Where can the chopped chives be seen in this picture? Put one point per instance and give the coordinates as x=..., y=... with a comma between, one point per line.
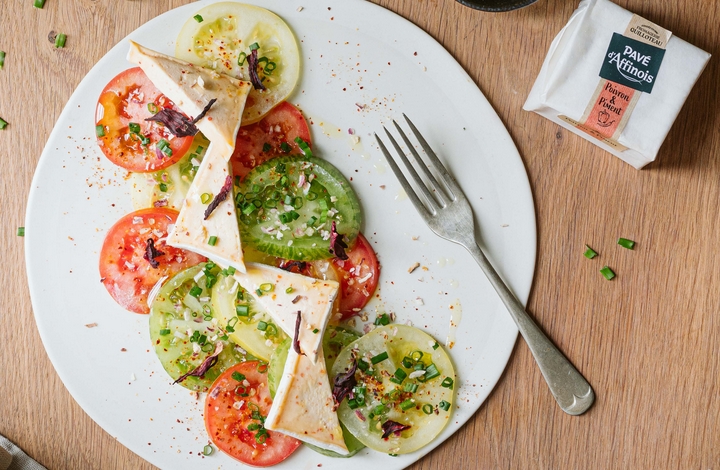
x=316, y=331
x=39, y=3
x=238, y=376
x=379, y=358
x=625, y=243
x=208, y=450
x=289, y=290
x=431, y=372
x=2, y=59
x=254, y=46
x=3, y=123
x=21, y=231
x=589, y=252
x=242, y=310
x=198, y=18
x=241, y=58
x=400, y=374
x=436, y=345
x=266, y=147
x=153, y=108
x=267, y=287
x=410, y=387
x=205, y=198
x=407, y=404
x=427, y=409
x=447, y=383
x=285, y=147
x=607, y=273
x=304, y=147
x=195, y=291
x=407, y=362
x=262, y=367
x=60, y=40
x=353, y=404
x=134, y=127
x=271, y=330
x=163, y=187
x=262, y=326
x=383, y=320
x=100, y=130
x=417, y=355
x=164, y=331
x=362, y=365
x=230, y=271
x=443, y=405
x=212, y=241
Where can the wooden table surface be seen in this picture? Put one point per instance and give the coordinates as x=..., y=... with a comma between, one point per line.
x=647, y=341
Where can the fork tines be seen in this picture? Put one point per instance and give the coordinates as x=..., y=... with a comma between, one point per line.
x=434, y=194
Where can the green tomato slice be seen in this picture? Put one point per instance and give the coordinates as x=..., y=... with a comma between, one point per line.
x=287, y=205
x=426, y=410
x=168, y=187
x=182, y=331
x=245, y=321
x=334, y=340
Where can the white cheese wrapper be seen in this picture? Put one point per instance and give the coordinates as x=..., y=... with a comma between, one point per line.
x=570, y=75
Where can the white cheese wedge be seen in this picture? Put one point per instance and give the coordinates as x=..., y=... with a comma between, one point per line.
x=193, y=232
x=191, y=88
x=303, y=405
x=284, y=294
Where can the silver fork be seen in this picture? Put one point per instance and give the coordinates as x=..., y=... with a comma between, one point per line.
x=447, y=212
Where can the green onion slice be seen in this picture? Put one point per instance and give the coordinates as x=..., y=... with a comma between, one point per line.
x=607, y=273
x=60, y=40
x=208, y=450
x=625, y=243
x=590, y=253
x=21, y=231
x=380, y=357
x=198, y=18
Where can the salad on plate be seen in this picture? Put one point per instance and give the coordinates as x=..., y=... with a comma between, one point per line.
x=245, y=249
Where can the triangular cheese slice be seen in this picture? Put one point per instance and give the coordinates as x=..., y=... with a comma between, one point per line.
x=283, y=294
x=195, y=233
x=303, y=405
x=191, y=88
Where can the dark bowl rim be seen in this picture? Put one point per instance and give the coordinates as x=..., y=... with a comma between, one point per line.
x=513, y=5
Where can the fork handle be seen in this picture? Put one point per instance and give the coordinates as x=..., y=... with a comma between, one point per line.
x=570, y=389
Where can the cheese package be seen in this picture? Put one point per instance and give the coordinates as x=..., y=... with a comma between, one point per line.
x=617, y=80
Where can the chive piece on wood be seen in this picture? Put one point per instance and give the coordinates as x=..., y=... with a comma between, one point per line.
x=607, y=272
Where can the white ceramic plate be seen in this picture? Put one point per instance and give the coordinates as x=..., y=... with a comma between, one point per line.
x=363, y=66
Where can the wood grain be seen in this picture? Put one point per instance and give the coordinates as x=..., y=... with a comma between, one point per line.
x=647, y=340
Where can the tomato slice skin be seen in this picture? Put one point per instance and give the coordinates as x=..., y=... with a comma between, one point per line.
x=356, y=288
x=283, y=124
x=227, y=425
x=125, y=99
x=124, y=272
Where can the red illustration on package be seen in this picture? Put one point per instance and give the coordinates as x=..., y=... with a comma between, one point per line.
x=608, y=110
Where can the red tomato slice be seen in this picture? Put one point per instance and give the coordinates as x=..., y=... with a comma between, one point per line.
x=263, y=140
x=358, y=276
x=228, y=415
x=125, y=100
x=124, y=271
